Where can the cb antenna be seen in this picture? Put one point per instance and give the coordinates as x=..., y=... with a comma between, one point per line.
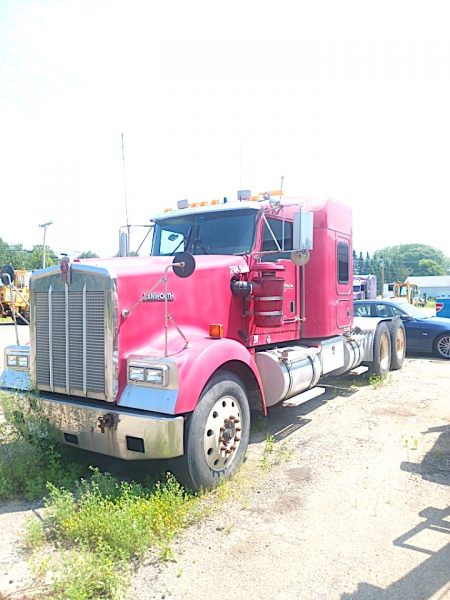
x=281, y=185
x=125, y=193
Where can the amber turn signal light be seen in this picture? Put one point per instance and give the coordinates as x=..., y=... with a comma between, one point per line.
x=216, y=331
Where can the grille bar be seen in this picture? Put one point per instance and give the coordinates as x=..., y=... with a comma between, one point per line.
x=84, y=342
x=50, y=335
x=66, y=298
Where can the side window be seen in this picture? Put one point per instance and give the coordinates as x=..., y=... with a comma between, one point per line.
x=361, y=310
x=171, y=242
x=282, y=230
x=343, y=262
x=383, y=311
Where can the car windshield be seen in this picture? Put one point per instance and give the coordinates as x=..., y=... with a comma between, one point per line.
x=416, y=311
x=223, y=232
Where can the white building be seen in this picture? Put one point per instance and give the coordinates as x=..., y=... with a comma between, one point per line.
x=433, y=286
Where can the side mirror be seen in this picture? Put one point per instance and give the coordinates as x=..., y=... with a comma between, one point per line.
x=183, y=264
x=303, y=231
x=407, y=318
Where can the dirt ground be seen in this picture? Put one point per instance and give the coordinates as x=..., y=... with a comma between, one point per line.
x=355, y=505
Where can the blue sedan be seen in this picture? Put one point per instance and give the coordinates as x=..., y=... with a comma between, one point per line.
x=423, y=333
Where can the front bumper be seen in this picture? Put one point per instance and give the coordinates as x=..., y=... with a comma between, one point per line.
x=126, y=434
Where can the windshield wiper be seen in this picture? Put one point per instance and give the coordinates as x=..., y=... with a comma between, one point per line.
x=185, y=241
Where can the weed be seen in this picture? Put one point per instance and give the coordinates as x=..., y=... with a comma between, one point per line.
x=34, y=535
x=81, y=575
x=283, y=453
x=30, y=455
x=106, y=523
x=268, y=450
x=376, y=381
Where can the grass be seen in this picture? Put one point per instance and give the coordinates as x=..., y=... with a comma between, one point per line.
x=377, y=381
x=31, y=456
x=95, y=531
x=103, y=529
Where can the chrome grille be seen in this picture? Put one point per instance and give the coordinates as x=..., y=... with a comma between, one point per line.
x=70, y=341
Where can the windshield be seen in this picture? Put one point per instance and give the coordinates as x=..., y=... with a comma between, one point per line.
x=415, y=311
x=223, y=232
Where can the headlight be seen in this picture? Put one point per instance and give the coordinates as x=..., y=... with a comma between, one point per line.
x=136, y=373
x=156, y=376
x=149, y=374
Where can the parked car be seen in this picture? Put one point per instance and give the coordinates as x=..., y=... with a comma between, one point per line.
x=423, y=333
x=443, y=307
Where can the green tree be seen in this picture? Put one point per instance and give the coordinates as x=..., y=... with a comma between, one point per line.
x=355, y=264
x=404, y=260
x=35, y=258
x=88, y=254
x=430, y=267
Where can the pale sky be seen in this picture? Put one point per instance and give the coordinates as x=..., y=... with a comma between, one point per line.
x=346, y=99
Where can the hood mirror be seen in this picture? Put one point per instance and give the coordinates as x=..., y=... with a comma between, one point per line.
x=183, y=264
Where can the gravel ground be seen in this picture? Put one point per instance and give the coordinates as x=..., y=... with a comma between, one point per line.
x=355, y=506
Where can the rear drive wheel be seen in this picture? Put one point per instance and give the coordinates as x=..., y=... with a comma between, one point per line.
x=217, y=434
x=442, y=346
x=381, y=351
x=398, y=344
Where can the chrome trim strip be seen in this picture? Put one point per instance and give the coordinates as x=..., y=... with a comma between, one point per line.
x=50, y=336
x=111, y=342
x=66, y=308
x=84, y=342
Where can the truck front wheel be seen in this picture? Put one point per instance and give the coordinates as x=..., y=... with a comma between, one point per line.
x=217, y=434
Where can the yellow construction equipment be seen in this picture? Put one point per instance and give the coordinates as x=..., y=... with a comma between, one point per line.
x=405, y=291
x=15, y=295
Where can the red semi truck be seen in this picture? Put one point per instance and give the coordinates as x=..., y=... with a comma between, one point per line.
x=240, y=306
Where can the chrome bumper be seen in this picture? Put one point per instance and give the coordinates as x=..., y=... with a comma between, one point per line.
x=130, y=435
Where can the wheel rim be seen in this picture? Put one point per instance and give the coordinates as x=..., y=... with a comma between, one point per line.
x=222, y=433
x=400, y=344
x=443, y=346
x=384, y=352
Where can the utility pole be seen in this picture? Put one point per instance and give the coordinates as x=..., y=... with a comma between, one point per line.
x=44, y=225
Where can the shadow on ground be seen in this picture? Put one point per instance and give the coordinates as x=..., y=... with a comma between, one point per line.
x=284, y=420
x=428, y=578
x=435, y=465
x=433, y=574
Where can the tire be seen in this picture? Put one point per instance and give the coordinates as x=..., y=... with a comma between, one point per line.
x=216, y=435
x=381, y=351
x=442, y=346
x=398, y=344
